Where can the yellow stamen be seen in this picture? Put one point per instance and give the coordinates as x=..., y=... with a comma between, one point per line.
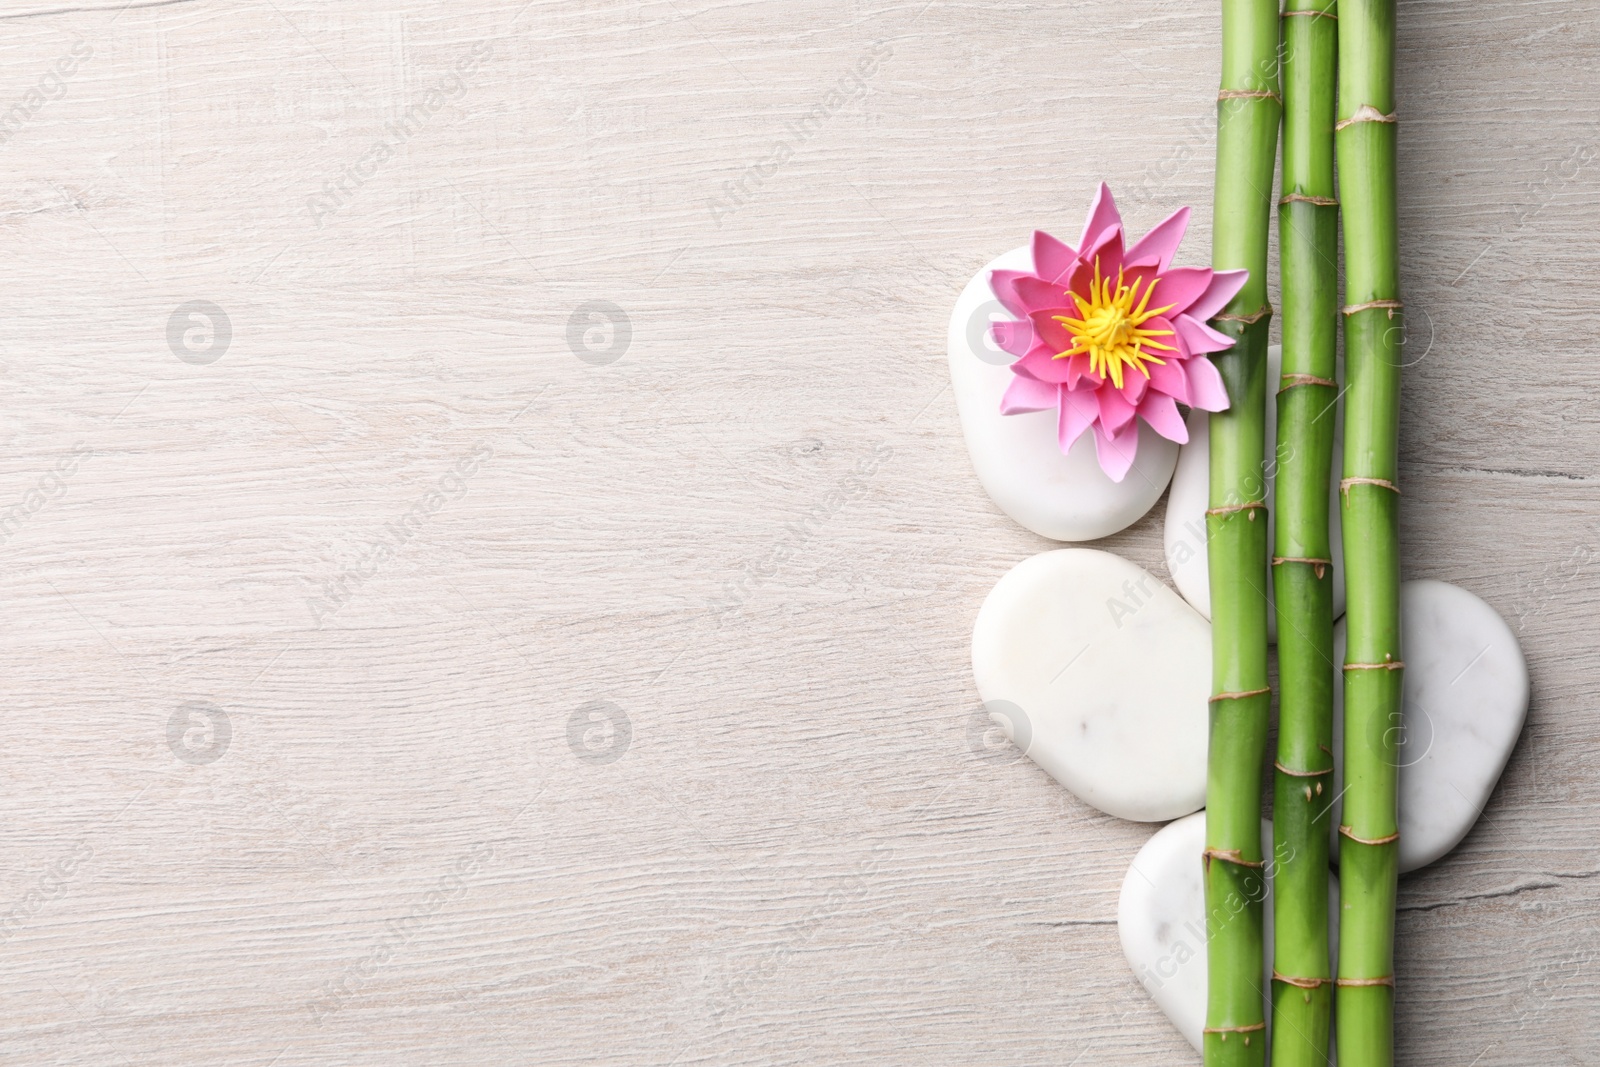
x=1109, y=330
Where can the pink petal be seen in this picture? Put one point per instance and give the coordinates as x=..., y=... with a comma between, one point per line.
x=1167, y=334
x=1161, y=242
x=1225, y=285
x=1179, y=287
x=1161, y=413
x=1169, y=378
x=1080, y=282
x=1013, y=337
x=1142, y=280
x=1026, y=394
x=1020, y=370
x=1107, y=252
x=1037, y=294
x=1133, y=385
x=1003, y=283
x=1078, y=412
x=1052, y=334
x=1052, y=260
x=1078, y=368
x=1116, y=452
x=1102, y=213
x=1206, y=390
x=1198, y=338
x=1040, y=364
x=1115, y=412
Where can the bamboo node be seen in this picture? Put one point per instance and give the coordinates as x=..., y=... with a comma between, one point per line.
x=1391, y=305
x=1381, y=483
x=1311, y=14
x=1387, y=980
x=1229, y=855
x=1229, y=509
x=1252, y=1028
x=1386, y=665
x=1249, y=94
x=1319, y=567
x=1255, y=316
x=1301, y=983
x=1366, y=113
x=1345, y=831
x=1239, y=695
x=1302, y=198
x=1301, y=774
x=1291, y=380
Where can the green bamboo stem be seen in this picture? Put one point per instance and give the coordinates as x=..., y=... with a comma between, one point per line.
x=1248, y=108
x=1302, y=564
x=1369, y=846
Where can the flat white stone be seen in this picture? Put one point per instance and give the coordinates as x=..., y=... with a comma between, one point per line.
x=1466, y=698
x=1161, y=921
x=1184, y=534
x=1017, y=457
x=1101, y=674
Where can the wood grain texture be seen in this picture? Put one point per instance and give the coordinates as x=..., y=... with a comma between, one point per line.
x=756, y=534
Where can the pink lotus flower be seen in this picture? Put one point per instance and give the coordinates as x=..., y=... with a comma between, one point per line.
x=1108, y=335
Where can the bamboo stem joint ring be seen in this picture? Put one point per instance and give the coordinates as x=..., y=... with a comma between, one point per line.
x=1391, y=305
x=1301, y=774
x=1381, y=483
x=1301, y=983
x=1239, y=696
x=1386, y=665
x=1291, y=380
x=1231, y=509
x=1366, y=113
x=1255, y=316
x=1319, y=567
x=1230, y=855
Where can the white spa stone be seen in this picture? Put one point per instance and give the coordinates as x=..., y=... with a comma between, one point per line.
x=1101, y=674
x=1161, y=921
x=1466, y=697
x=1185, y=531
x=1017, y=457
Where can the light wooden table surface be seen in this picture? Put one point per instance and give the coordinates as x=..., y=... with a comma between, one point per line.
x=426, y=671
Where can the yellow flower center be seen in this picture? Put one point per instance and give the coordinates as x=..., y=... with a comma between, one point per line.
x=1110, y=330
